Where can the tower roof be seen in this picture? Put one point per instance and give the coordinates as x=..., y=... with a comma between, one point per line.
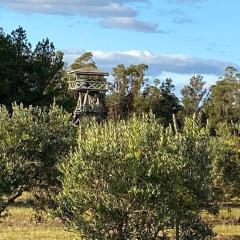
x=88, y=71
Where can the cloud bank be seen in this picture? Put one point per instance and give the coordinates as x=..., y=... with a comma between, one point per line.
x=158, y=63
x=112, y=13
x=91, y=8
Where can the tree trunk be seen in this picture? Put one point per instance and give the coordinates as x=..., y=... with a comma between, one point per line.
x=11, y=199
x=177, y=230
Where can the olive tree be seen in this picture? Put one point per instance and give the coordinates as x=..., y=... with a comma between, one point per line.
x=32, y=142
x=227, y=161
x=137, y=180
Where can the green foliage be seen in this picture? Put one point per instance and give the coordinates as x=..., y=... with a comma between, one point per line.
x=224, y=99
x=193, y=95
x=137, y=180
x=126, y=91
x=85, y=60
x=160, y=100
x=227, y=160
x=132, y=94
x=26, y=75
x=6, y=62
x=32, y=142
x=195, y=228
x=46, y=72
x=130, y=179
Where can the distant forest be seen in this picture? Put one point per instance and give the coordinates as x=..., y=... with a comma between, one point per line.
x=36, y=76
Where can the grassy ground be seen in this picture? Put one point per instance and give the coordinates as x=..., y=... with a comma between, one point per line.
x=20, y=225
x=225, y=223
x=228, y=230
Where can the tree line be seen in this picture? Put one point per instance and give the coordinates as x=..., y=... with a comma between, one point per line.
x=37, y=77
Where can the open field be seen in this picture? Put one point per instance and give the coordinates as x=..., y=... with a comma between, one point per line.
x=228, y=230
x=20, y=225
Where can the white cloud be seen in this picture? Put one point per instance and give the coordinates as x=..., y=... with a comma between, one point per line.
x=92, y=8
x=112, y=13
x=158, y=63
x=187, y=1
x=129, y=23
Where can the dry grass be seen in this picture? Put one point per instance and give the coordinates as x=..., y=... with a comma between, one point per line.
x=225, y=223
x=19, y=225
x=225, y=216
x=228, y=230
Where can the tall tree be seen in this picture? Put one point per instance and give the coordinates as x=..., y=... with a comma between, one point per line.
x=117, y=101
x=132, y=94
x=127, y=88
x=15, y=65
x=193, y=94
x=21, y=66
x=161, y=100
x=6, y=67
x=85, y=60
x=223, y=103
x=47, y=66
x=27, y=76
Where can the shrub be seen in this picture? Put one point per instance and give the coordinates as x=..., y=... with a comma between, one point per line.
x=227, y=161
x=32, y=142
x=137, y=180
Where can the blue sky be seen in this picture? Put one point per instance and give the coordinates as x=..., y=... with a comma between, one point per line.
x=176, y=38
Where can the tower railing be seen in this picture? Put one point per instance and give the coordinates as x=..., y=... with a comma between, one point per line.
x=82, y=85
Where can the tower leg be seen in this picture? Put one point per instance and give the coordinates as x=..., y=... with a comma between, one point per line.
x=88, y=104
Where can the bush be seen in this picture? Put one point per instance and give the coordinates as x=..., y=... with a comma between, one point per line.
x=227, y=161
x=32, y=142
x=137, y=180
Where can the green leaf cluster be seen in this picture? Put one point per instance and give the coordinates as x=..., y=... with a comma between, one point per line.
x=138, y=180
x=32, y=142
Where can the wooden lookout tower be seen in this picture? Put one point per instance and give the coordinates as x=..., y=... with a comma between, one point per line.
x=89, y=84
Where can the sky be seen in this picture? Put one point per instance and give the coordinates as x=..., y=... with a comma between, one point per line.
x=175, y=38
